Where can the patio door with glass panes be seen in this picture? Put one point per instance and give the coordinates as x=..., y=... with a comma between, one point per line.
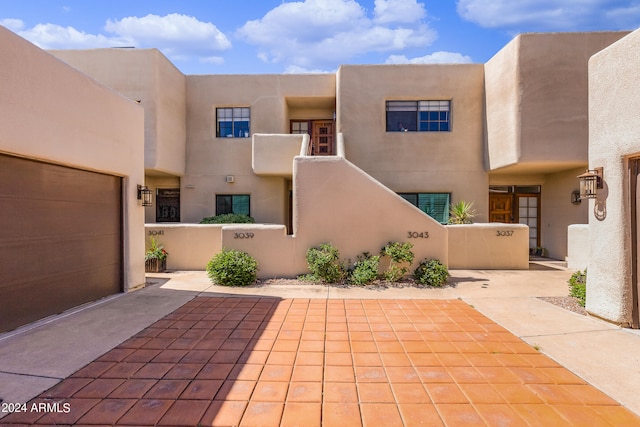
x=528, y=208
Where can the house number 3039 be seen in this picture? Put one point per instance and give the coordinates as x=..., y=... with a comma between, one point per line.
x=243, y=235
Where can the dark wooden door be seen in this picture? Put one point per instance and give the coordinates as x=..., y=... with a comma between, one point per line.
x=501, y=208
x=60, y=239
x=322, y=138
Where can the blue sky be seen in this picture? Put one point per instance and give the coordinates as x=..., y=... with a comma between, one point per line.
x=277, y=36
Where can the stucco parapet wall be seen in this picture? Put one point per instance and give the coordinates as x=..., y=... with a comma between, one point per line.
x=272, y=154
x=489, y=246
x=269, y=244
x=190, y=246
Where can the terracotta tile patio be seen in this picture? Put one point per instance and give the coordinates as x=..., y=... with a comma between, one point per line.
x=300, y=362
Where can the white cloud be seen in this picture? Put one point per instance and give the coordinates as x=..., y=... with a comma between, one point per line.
x=51, y=36
x=558, y=15
x=398, y=11
x=212, y=60
x=14, y=25
x=320, y=34
x=295, y=69
x=435, y=58
x=170, y=29
x=180, y=37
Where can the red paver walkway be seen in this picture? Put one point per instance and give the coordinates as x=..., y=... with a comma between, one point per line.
x=299, y=362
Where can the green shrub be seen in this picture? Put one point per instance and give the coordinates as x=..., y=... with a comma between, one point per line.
x=578, y=286
x=399, y=253
x=365, y=269
x=232, y=268
x=228, y=219
x=431, y=273
x=324, y=263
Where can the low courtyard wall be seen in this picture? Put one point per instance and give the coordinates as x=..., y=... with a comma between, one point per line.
x=191, y=246
x=578, y=246
x=492, y=246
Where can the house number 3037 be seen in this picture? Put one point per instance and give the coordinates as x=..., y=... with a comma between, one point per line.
x=504, y=233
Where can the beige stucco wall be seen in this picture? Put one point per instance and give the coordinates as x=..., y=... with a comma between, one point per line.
x=190, y=246
x=274, y=100
x=272, y=155
x=489, y=246
x=356, y=213
x=502, y=98
x=557, y=211
x=578, y=246
x=537, y=109
x=53, y=113
x=147, y=76
x=430, y=162
x=614, y=128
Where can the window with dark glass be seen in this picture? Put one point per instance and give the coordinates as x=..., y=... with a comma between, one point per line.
x=436, y=205
x=233, y=122
x=232, y=203
x=418, y=116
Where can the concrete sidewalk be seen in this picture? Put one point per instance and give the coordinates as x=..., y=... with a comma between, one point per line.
x=35, y=358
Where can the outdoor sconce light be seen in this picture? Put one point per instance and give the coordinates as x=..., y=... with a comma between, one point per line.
x=575, y=197
x=590, y=182
x=144, y=194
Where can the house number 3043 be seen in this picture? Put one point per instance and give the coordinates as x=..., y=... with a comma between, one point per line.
x=417, y=234
x=243, y=235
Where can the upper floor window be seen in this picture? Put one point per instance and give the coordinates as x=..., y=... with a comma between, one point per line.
x=418, y=116
x=233, y=122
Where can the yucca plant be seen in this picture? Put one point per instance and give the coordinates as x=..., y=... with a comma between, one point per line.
x=462, y=213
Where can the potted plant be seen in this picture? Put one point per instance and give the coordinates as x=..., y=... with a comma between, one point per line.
x=155, y=259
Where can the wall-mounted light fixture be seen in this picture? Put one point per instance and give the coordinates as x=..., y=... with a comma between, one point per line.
x=144, y=194
x=575, y=197
x=590, y=182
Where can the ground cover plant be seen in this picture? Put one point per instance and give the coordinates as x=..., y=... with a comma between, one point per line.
x=325, y=265
x=365, y=269
x=578, y=286
x=400, y=256
x=431, y=273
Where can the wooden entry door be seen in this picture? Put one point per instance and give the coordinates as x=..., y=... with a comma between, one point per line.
x=501, y=208
x=322, y=138
x=321, y=133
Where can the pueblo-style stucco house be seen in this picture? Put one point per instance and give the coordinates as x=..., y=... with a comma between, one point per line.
x=369, y=154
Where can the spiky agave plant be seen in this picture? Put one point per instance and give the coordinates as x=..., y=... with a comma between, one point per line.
x=462, y=213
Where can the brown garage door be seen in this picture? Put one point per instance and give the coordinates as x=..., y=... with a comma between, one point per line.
x=60, y=239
